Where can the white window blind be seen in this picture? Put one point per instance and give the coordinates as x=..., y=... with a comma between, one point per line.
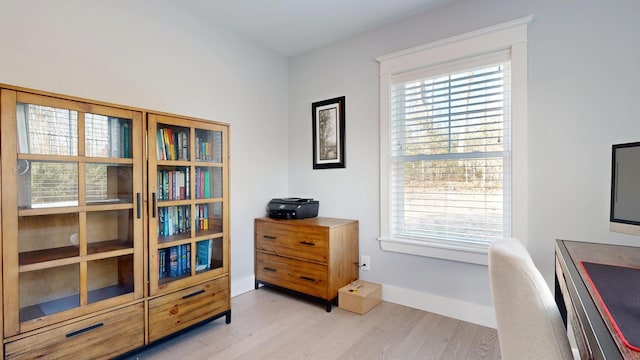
x=453, y=144
x=450, y=152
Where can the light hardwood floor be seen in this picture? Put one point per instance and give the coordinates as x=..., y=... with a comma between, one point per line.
x=268, y=324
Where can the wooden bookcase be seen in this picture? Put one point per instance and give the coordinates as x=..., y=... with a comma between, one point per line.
x=80, y=252
x=189, y=222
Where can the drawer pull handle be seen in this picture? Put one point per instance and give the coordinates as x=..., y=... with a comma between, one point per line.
x=307, y=278
x=269, y=269
x=78, y=332
x=193, y=294
x=307, y=243
x=269, y=237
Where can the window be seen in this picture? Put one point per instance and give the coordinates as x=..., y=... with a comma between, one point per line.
x=447, y=167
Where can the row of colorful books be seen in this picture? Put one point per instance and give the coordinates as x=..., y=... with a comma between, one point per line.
x=203, y=149
x=203, y=183
x=203, y=217
x=174, y=220
x=176, y=260
x=172, y=144
x=173, y=184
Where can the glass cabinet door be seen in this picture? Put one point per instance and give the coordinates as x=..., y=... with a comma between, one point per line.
x=76, y=218
x=187, y=185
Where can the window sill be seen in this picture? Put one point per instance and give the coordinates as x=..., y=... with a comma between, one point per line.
x=435, y=249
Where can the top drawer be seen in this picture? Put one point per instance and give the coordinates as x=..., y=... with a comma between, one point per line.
x=304, y=242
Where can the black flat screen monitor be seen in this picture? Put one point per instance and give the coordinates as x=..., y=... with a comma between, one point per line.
x=625, y=188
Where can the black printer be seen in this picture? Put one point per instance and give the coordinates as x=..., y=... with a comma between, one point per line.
x=292, y=208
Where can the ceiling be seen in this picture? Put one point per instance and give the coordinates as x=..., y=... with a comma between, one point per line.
x=291, y=27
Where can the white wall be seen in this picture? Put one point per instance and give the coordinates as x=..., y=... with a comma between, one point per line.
x=151, y=54
x=583, y=77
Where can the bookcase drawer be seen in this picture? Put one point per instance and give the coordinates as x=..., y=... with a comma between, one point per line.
x=181, y=309
x=308, y=243
x=100, y=337
x=308, y=278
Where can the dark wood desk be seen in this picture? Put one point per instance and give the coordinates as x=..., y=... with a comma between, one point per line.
x=594, y=332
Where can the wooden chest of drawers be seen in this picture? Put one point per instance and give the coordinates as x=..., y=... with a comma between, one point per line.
x=315, y=256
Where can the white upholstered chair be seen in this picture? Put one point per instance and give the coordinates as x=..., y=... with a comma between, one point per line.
x=529, y=323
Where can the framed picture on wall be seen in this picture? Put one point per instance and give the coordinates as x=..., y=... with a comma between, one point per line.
x=328, y=133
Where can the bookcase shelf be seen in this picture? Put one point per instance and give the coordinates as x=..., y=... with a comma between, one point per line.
x=41, y=256
x=69, y=302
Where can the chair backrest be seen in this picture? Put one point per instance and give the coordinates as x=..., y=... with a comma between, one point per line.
x=529, y=323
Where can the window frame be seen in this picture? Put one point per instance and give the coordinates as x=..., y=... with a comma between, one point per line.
x=511, y=36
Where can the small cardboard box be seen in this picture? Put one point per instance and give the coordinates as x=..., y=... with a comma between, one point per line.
x=360, y=296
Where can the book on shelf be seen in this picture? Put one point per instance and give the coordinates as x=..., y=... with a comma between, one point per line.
x=162, y=263
x=114, y=137
x=160, y=145
x=127, y=139
x=187, y=183
x=206, y=217
x=207, y=184
x=185, y=146
x=172, y=261
x=203, y=255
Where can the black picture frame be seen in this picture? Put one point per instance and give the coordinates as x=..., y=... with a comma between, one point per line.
x=328, y=133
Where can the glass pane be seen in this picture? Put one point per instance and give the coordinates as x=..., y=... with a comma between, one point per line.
x=47, y=237
x=172, y=143
x=109, y=278
x=109, y=230
x=173, y=183
x=174, y=262
x=208, y=254
x=48, y=291
x=107, y=136
x=209, y=218
x=108, y=183
x=208, y=145
x=47, y=184
x=47, y=130
x=208, y=182
x=174, y=220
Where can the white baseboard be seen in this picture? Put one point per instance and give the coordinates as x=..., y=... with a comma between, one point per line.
x=242, y=285
x=473, y=313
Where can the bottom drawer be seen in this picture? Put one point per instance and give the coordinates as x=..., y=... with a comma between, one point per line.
x=181, y=309
x=301, y=276
x=100, y=337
